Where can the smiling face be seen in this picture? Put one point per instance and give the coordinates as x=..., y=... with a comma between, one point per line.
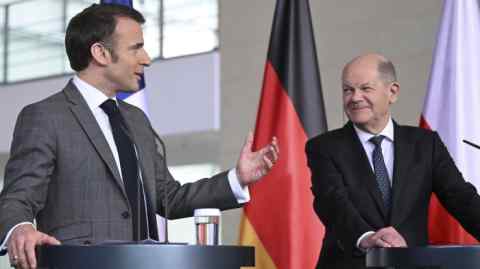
x=127, y=57
x=366, y=96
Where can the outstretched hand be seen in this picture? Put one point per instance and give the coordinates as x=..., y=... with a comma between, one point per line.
x=252, y=166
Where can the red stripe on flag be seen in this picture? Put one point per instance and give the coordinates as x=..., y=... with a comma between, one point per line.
x=448, y=230
x=281, y=210
x=424, y=124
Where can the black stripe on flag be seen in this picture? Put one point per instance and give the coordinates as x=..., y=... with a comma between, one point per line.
x=293, y=55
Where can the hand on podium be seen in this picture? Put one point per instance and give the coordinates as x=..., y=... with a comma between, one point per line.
x=386, y=238
x=21, y=246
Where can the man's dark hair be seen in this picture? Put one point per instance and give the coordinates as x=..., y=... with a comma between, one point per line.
x=386, y=71
x=94, y=24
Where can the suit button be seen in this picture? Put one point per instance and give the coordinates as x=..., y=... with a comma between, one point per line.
x=125, y=215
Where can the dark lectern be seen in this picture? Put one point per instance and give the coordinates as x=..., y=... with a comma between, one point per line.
x=444, y=257
x=145, y=256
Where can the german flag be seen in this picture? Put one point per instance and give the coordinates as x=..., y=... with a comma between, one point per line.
x=280, y=221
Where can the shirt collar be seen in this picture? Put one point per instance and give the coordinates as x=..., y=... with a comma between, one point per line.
x=93, y=96
x=365, y=136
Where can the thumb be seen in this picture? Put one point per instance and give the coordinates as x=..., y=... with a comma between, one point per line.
x=247, y=147
x=49, y=240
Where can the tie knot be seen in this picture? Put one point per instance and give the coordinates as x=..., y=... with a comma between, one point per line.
x=377, y=140
x=110, y=107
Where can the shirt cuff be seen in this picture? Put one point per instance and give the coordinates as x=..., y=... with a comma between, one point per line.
x=363, y=236
x=242, y=194
x=3, y=246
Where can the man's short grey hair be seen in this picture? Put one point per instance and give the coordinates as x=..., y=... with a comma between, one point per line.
x=386, y=71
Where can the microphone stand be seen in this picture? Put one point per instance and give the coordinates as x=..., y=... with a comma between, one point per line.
x=165, y=198
x=164, y=175
x=165, y=192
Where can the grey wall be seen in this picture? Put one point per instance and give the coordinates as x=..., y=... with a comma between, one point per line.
x=402, y=30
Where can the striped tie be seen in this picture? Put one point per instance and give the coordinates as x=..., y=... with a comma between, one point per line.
x=381, y=172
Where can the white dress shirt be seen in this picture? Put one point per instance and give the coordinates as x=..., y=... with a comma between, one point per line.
x=387, y=151
x=387, y=146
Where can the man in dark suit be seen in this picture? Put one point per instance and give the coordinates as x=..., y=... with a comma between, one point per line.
x=85, y=166
x=372, y=179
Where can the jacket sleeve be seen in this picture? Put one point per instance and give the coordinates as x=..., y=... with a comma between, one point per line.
x=459, y=197
x=214, y=192
x=29, y=169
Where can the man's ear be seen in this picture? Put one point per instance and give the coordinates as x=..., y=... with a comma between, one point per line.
x=100, y=54
x=394, y=91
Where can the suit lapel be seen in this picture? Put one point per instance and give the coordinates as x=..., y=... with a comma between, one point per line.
x=146, y=166
x=402, y=158
x=87, y=121
x=362, y=168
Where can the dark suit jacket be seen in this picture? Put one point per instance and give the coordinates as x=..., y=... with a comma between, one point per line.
x=62, y=172
x=348, y=201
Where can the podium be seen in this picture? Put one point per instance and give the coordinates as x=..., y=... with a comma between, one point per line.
x=444, y=257
x=144, y=256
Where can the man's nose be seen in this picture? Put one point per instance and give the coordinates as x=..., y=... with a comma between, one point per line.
x=356, y=95
x=145, y=59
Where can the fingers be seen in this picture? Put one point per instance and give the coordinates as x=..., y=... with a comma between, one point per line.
x=260, y=173
x=381, y=242
x=269, y=155
x=268, y=162
x=30, y=254
x=390, y=236
x=31, y=244
x=271, y=151
x=275, y=145
x=22, y=258
x=48, y=240
x=12, y=253
x=397, y=241
x=274, y=150
x=22, y=243
x=248, y=143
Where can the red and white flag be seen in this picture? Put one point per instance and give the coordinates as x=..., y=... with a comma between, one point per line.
x=452, y=105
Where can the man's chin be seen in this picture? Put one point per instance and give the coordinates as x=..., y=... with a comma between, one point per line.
x=130, y=89
x=357, y=118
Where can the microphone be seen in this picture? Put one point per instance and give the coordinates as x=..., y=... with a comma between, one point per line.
x=471, y=144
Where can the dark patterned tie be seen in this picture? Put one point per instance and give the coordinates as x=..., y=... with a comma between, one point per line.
x=129, y=168
x=381, y=172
